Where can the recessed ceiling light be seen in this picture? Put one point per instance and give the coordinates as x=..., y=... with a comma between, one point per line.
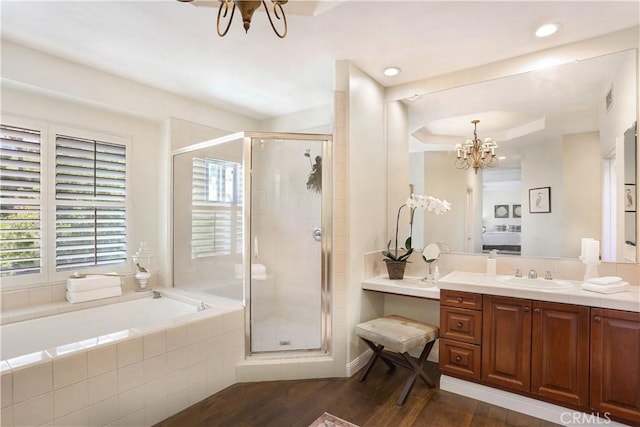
x=546, y=30
x=391, y=71
x=502, y=158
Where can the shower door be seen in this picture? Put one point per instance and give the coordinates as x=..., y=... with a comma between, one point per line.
x=288, y=243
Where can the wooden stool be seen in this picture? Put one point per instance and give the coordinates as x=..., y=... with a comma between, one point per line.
x=399, y=335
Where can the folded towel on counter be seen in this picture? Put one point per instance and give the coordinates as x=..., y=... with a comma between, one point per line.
x=606, y=289
x=605, y=281
x=83, y=296
x=90, y=283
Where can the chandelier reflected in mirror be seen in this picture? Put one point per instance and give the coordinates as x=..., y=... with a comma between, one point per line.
x=475, y=153
x=228, y=8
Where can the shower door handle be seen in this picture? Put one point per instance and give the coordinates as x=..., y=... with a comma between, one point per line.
x=317, y=234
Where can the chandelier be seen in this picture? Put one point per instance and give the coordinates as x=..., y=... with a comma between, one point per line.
x=247, y=7
x=476, y=154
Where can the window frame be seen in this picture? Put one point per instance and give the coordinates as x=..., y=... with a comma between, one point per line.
x=125, y=267
x=234, y=208
x=41, y=126
x=48, y=202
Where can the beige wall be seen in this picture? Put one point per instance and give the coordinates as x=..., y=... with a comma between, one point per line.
x=366, y=189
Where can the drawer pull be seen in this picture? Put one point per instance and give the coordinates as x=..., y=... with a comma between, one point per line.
x=458, y=358
x=459, y=325
x=459, y=299
x=526, y=309
x=597, y=318
x=536, y=310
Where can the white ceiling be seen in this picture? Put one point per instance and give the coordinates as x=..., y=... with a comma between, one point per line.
x=174, y=46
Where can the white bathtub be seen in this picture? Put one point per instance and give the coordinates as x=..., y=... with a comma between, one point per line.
x=133, y=363
x=66, y=332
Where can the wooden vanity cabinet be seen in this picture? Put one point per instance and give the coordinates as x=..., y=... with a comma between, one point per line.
x=615, y=363
x=560, y=353
x=506, y=342
x=460, y=333
x=576, y=356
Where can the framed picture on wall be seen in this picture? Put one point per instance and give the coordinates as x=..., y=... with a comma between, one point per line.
x=540, y=200
x=501, y=211
x=629, y=198
x=517, y=211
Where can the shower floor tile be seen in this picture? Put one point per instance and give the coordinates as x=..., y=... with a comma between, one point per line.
x=279, y=333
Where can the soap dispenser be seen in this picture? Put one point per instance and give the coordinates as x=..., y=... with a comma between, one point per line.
x=491, y=263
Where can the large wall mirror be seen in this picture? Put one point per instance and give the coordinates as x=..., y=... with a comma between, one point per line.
x=566, y=161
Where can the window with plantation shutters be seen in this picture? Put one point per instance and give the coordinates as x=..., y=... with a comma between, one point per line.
x=20, y=202
x=216, y=216
x=90, y=193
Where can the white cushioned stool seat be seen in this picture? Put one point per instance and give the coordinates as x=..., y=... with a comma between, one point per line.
x=397, y=333
x=390, y=338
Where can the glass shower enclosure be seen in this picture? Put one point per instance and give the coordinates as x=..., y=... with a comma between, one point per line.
x=252, y=222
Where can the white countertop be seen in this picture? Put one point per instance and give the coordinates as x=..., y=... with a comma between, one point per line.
x=409, y=286
x=491, y=285
x=482, y=283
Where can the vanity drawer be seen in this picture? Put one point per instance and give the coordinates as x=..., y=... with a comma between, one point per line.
x=461, y=299
x=460, y=359
x=461, y=324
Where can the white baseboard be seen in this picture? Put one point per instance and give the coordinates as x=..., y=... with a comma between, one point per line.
x=358, y=363
x=525, y=405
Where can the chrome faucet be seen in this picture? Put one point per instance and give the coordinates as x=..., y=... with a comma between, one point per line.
x=533, y=274
x=548, y=275
x=518, y=272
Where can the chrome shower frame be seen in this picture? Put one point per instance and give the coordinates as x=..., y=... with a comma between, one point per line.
x=326, y=242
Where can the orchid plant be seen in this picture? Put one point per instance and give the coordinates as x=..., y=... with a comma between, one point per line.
x=428, y=203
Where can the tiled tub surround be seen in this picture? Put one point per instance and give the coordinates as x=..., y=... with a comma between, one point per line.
x=143, y=368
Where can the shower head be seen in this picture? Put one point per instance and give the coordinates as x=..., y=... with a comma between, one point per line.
x=307, y=152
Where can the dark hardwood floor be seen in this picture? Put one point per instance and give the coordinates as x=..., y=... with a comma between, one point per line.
x=367, y=404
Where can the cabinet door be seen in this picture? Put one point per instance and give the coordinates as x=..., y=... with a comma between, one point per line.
x=506, y=342
x=615, y=363
x=560, y=352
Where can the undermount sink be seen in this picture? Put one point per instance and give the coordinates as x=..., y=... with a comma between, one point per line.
x=525, y=282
